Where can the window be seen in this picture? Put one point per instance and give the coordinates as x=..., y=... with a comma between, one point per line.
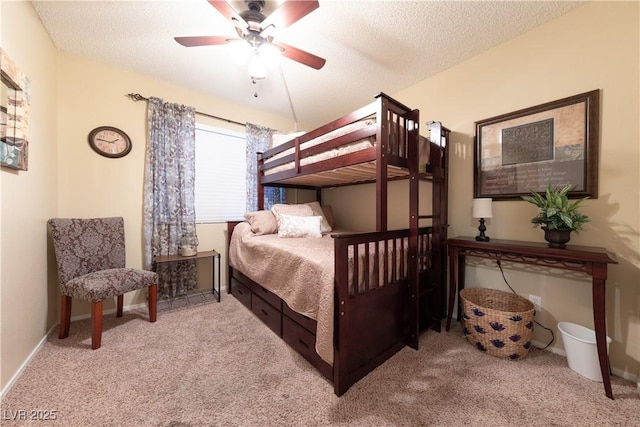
x=221, y=169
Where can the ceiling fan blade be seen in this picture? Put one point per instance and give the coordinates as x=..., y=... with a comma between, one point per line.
x=192, y=41
x=301, y=56
x=230, y=13
x=288, y=13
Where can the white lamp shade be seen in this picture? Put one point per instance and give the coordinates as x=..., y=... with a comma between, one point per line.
x=482, y=208
x=257, y=69
x=270, y=54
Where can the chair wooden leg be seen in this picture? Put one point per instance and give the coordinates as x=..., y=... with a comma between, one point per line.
x=120, y=301
x=153, y=302
x=65, y=316
x=96, y=324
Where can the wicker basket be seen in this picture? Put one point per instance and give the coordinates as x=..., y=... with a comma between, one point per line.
x=496, y=322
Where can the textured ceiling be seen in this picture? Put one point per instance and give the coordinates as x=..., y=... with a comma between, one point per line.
x=370, y=46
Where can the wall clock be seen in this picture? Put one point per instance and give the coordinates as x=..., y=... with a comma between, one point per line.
x=109, y=141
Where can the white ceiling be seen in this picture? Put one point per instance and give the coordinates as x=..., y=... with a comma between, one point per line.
x=370, y=46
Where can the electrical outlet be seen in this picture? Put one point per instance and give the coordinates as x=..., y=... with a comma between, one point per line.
x=537, y=302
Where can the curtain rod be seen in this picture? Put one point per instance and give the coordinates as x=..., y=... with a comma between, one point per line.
x=138, y=97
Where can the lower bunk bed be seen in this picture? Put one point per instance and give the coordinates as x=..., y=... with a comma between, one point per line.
x=342, y=301
x=367, y=295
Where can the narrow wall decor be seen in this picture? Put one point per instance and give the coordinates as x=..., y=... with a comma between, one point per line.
x=14, y=115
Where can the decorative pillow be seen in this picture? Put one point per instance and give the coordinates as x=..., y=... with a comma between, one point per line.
x=299, y=226
x=327, y=210
x=317, y=211
x=262, y=222
x=294, y=210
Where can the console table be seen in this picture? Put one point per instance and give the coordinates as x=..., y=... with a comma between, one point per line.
x=207, y=254
x=590, y=260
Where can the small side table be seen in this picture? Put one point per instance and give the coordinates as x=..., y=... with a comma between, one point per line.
x=207, y=254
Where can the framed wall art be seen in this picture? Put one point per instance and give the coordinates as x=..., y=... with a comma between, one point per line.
x=554, y=143
x=14, y=115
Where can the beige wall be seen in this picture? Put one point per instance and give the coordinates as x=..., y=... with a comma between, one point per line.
x=71, y=96
x=28, y=198
x=594, y=46
x=92, y=94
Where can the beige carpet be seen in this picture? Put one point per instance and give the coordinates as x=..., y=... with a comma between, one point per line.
x=218, y=365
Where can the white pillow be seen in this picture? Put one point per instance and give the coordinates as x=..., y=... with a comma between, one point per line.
x=299, y=226
x=317, y=211
x=294, y=210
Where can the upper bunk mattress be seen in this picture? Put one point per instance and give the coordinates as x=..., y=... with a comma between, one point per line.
x=352, y=173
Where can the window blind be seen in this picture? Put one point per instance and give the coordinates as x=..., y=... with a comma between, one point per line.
x=220, y=183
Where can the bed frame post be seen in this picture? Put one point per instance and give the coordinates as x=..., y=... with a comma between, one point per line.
x=341, y=319
x=438, y=157
x=259, y=182
x=414, y=194
x=231, y=225
x=382, y=136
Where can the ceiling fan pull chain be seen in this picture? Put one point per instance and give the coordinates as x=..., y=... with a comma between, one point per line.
x=255, y=94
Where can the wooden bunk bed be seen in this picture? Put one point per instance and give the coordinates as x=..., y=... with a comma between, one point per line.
x=375, y=317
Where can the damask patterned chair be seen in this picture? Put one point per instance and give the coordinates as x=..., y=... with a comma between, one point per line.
x=90, y=255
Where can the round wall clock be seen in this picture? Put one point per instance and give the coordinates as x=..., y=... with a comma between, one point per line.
x=109, y=141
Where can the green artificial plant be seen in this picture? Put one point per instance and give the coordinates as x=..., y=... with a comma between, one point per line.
x=555, y=211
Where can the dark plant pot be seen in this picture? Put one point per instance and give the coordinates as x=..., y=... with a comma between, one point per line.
x=557, y=238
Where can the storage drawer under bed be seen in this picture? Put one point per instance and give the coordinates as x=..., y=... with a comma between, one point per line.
x=304, y=342
x=241, y=292
x=271, y=316
x=306, y=322
x=258, y=290
x=266, y=295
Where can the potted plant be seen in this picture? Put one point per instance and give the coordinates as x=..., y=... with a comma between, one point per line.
x=556, y=216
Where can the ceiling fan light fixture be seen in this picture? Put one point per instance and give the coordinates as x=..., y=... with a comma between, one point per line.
x=256, y=33
x=240, y=51
x=270, y=53
x=257, y=68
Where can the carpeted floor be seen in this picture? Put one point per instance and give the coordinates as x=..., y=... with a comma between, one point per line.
x=217, y=365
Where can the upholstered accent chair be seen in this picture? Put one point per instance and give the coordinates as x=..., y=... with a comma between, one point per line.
x=90, y=254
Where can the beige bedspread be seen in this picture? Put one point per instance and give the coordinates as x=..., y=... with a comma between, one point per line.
x=267, y=259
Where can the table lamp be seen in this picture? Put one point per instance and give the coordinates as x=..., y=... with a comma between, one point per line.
x=482, y=210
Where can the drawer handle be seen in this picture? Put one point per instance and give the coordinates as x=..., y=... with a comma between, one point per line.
x=304, y=344
x=240, y=291
x=264, y=311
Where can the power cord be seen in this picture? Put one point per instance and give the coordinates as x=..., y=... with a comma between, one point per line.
x=537, y=323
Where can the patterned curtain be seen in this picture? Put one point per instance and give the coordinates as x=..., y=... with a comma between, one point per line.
x=169, y=209
x=258, y=139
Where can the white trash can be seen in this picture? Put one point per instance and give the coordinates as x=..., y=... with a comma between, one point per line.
x=582, y=353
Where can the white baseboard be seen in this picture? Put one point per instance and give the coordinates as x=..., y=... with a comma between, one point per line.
x=26, y=362
x=20, y=370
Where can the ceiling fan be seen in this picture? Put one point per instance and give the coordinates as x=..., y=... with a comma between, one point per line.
x=256, y=33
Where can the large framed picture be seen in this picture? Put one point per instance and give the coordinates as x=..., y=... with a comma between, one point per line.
x=554, y=143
